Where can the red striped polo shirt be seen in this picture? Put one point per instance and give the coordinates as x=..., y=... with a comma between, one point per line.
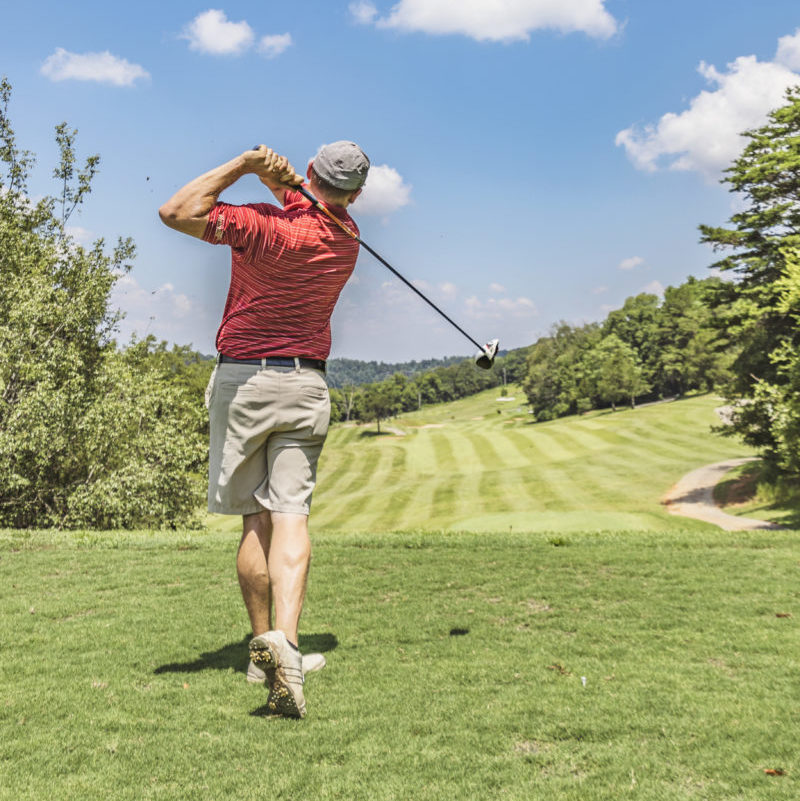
x=288, y=267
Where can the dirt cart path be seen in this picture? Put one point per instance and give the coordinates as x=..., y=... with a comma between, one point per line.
x=693, y=497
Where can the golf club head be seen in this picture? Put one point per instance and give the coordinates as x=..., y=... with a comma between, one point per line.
x=485, y=358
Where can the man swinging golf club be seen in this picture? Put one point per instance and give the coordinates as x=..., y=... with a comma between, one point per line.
x=268, y=400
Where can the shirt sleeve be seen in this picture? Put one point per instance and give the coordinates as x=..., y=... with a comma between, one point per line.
x=242, y=227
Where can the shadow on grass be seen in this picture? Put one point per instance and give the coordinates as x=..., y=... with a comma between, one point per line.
x=376, y=434
x=234, y=655
x=743, y=488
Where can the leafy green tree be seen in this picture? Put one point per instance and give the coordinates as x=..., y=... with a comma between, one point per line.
x=617, y=371
x=560, y=377
x=688, y=353
x=636, y=324
x=381, y=401
x=758, y=308
x=89, y=436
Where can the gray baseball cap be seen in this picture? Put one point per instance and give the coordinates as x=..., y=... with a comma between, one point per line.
x=342, y=164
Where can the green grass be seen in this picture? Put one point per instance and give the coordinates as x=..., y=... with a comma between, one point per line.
x=464, y=467
x=122, y=659
x=480, y=464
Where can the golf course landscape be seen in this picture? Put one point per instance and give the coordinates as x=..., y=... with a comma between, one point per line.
x=480, y=464
x=506, y=609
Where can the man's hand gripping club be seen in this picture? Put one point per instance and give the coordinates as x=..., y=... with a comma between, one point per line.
x=187, y=210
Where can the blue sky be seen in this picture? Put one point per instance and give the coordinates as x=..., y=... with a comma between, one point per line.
x=533, y=160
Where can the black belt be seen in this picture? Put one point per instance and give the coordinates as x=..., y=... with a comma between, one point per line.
x=275, y=361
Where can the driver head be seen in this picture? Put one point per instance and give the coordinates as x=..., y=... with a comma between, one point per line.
x=485, y=358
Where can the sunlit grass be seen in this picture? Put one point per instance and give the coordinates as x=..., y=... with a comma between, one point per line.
x=573, y=666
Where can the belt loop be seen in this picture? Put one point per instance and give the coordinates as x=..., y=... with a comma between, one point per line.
x=263, y=362
x=296, y=364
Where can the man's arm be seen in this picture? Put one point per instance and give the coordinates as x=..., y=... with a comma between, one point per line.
x=187, y=210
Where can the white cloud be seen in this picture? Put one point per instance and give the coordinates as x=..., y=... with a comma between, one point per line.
x=631, y=263
x=493, y=20
x=82, y=236
x=789, y=51
x=363, y=12
x=165, y=312
x=654, y=288
x=272, y=46
x=706, y=136
x=498, y=289
x=212, y=32
x=448, y=289
x=384, y=192
x=101, y=67
x=492, y=308
x=599, y=290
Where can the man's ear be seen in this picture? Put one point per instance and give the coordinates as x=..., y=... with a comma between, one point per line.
x=308, y=169
x=355, y=194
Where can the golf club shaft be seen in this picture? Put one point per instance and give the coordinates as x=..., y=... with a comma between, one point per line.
x=317, y=204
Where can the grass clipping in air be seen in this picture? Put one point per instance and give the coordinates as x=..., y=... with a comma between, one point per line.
x=569, y=666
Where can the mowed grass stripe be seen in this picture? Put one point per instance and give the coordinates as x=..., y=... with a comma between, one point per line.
x=487, y=453
x=435, y=477
x=378, y=490
x=466, y=457
x=642, y=437
x=442, y=452
x=418, y=505
x=549, y=444
x=421, y=453
x=333, y=507
x=504, y=490
x=456, y=495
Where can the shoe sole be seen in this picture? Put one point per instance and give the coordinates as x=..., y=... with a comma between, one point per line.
x=280, y=700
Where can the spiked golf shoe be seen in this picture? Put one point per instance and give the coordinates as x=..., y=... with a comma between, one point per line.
x=283, y=666
x=311, y=664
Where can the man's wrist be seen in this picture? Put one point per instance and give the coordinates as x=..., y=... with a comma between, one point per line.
x=244, y=165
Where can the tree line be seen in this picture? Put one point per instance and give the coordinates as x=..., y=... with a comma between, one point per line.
x=646, y=350
x=354, y=372
x=381, y=400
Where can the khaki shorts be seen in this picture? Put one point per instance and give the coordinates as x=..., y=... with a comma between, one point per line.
x=267, y=426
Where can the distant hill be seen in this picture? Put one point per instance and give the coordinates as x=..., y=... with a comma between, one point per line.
x=353, y=372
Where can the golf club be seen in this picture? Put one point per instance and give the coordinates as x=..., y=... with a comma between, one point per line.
x=484, y=358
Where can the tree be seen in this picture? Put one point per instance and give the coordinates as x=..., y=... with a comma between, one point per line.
x=636, y=324
x=758, y=307
x=618, y=372
x=380, y=401
x=688, y=353
x=559, y=379
x=89, y=436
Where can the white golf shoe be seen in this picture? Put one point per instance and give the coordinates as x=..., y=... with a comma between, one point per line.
x=311, y=664
x=283, y=666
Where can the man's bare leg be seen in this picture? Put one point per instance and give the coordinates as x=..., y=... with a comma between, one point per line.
x=251, y=565
x=288, y=559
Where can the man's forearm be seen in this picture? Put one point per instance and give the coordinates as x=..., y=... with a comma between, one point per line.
x=187, y=210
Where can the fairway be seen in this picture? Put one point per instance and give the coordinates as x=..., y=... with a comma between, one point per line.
x=463, y=467
x=529, y=668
